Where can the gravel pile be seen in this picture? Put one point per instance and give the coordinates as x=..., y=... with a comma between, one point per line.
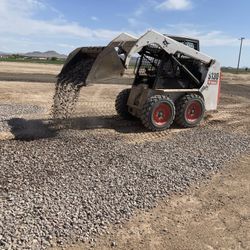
x=9, y=111
x=71, y=187
x=68, y=87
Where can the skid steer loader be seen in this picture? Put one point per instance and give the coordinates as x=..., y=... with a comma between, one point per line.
x=172, y=80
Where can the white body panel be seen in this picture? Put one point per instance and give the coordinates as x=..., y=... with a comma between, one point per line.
x=211, y=87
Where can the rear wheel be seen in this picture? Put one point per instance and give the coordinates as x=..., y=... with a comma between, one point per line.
x=190, y=110
x=158, y=113
x=121, y=104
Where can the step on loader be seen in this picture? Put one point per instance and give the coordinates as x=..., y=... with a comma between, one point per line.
x=172, y=80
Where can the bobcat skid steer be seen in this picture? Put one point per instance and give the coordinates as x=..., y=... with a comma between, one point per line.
x=172, y=79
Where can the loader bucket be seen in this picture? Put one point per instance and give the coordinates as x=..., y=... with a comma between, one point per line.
x=78, y=53
x=97, y=64
x=78, y=65
x=107, y=65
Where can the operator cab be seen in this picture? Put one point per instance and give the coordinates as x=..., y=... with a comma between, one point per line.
x=190, y=42
x=160, y=70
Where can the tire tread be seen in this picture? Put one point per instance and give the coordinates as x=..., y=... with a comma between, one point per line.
x=147, y=108
x=121, y=105
x=181, y=107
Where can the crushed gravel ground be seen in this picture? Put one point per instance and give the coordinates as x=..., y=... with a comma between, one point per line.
x=9, y=111
x=71, y=187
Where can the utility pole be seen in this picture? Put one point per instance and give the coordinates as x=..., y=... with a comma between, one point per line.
x=241, y=41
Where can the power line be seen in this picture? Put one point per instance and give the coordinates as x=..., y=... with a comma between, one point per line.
x=241, y=41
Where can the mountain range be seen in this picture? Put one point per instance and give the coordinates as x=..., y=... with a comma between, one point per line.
x=3, y=53
x=36, y=54
x=46, y=54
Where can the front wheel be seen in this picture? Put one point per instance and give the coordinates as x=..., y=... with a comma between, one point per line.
x=158, y=113
x=121, y=104
x=190, y=110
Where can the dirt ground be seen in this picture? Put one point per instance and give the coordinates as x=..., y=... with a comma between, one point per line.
x=214, y=216
x=31, y=68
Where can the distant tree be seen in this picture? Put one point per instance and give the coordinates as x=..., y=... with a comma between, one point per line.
x=16, y=56
x=246, y=69
x=53, y=58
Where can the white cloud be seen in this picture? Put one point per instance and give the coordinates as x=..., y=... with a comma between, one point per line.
x=18, y=19
x=140, y=10
x=175, y=5
x=94, y=18
x=135, y=23
x=144, y=7
x=65, y=45
x=208, y=38
x=22, y=8
x=132, y=21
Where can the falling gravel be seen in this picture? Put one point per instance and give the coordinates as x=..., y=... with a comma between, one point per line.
x=70, y=188
x=68, y=87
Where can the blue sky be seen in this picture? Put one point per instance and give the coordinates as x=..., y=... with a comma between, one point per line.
x=28, y=25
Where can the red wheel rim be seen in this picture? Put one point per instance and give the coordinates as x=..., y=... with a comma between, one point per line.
x=162, y=114
x=193, y=111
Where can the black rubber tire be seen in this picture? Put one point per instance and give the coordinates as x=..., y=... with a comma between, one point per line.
x=183, y=104
x=121, y=105
x=147, y=114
